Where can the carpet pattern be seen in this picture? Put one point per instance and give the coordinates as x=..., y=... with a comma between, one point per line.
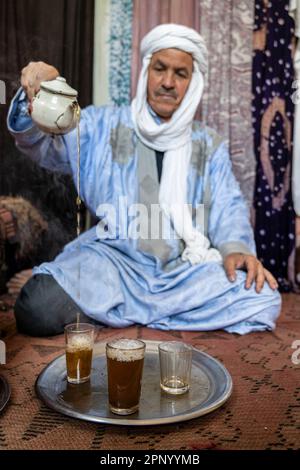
x=262, y=413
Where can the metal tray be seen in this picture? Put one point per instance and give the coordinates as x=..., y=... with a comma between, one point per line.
x=4, y=393
x=211, y=386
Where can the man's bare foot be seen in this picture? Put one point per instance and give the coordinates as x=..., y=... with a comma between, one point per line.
x=15, y=284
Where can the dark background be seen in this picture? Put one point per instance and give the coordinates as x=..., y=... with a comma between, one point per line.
x=61, y=33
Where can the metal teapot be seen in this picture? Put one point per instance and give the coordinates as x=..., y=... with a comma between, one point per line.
x=55, y=108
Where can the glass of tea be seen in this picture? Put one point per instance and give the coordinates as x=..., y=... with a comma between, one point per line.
x=125, y=361
x=79, y=351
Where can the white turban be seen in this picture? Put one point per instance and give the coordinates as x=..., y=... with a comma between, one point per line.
x=170, y=36
x=174, y=137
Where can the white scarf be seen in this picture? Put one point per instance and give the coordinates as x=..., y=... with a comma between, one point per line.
x=174, y=137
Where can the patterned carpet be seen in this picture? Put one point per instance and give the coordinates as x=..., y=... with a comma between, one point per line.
x=262, y=413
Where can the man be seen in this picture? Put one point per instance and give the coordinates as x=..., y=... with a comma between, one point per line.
x=202, y=276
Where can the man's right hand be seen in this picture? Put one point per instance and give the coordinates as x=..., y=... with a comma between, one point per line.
x=33, y=74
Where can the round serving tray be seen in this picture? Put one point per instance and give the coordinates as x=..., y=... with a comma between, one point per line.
x=211, y=386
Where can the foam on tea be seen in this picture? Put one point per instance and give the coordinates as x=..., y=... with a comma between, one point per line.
x=126, y=350
x=76, y=343
x=79, y=351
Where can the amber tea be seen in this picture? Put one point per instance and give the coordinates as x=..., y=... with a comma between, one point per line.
x=79, y=351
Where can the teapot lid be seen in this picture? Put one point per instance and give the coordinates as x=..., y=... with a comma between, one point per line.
x=60, y=86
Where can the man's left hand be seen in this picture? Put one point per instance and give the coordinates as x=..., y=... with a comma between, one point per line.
x=255, y=270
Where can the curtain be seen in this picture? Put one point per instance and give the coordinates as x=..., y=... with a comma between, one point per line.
x=120, y=42
x=226, y=103
x=294, y=11
x=102, y=52
x=227, y=28
x=273, y=110
x=60, y=33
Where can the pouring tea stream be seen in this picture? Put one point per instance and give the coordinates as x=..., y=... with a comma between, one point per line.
x=55, y=110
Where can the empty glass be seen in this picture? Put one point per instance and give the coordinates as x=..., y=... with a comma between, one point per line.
x=175, y=360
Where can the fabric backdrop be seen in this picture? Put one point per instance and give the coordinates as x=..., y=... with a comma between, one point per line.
x=120, y=51
x=273, y=117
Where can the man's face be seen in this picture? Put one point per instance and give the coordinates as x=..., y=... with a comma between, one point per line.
x=169, y=75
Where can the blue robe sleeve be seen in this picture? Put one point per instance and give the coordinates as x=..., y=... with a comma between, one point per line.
x=229, y=227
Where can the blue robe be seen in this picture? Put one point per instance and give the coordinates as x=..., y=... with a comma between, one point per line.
x=118, y=280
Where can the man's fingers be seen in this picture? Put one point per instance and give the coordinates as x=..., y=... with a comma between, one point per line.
x=260, y=278
x=29, y=85
x=271, y=279
x=229, y=266
x=251, y=265
x=30, y=93
x=33, y=74
x=24, y=82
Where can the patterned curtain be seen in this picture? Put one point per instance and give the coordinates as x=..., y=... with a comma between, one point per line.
x=272, y=117
x=227, y=28
x=120, y=42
